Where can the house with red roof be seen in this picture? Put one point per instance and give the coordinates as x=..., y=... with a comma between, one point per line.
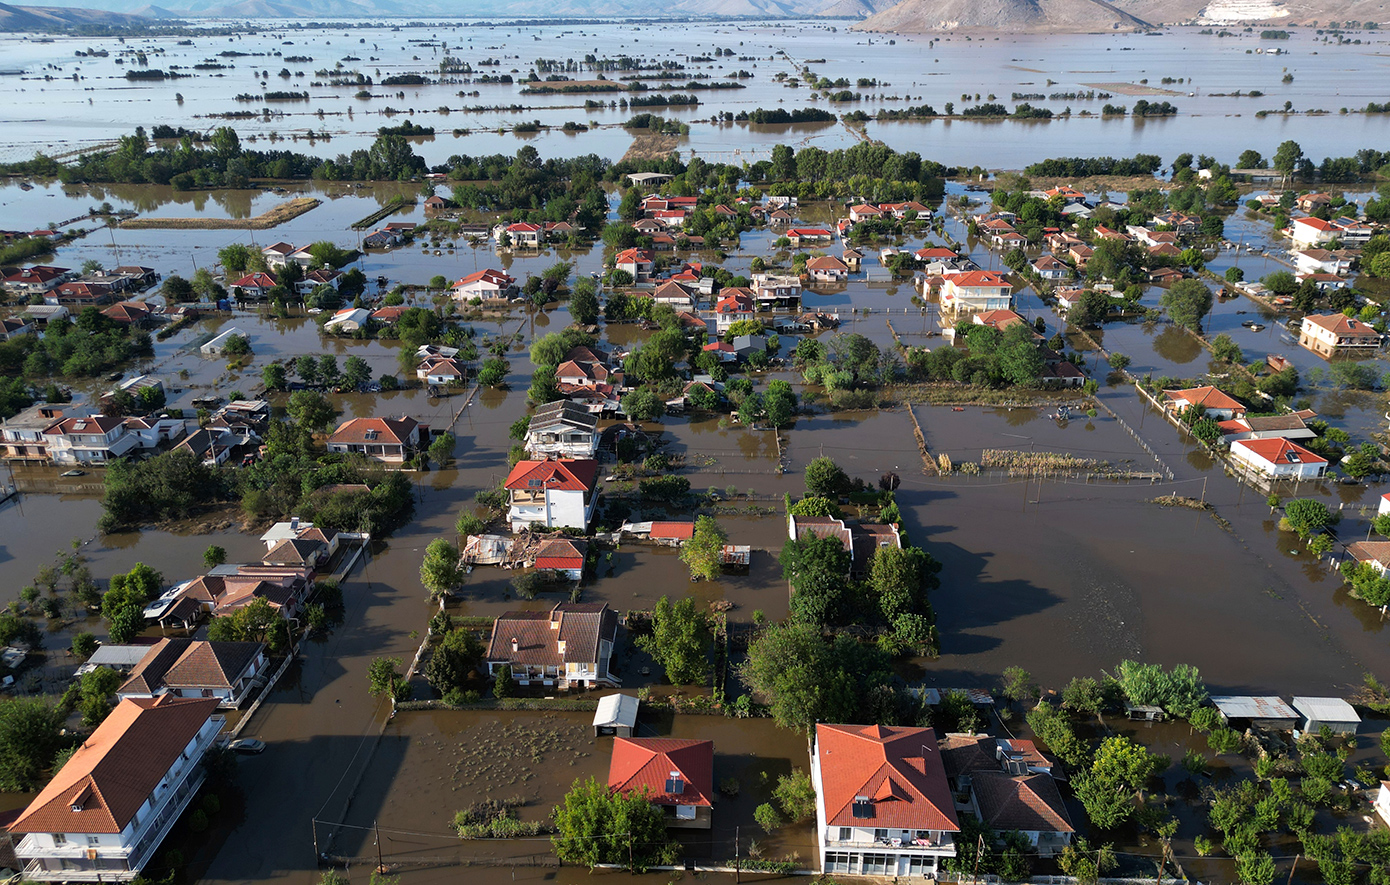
x=554, y=493
x=483, y=284
x=570, y=646
x=562, y=555
x=900, y=210
x=1311, y=232
x=883, y=806
x=860, y=540
x=676, y=774
x=255, y=285
x=976, y=290
x=1278, y=458
x=388, y=440
x=637, y=262
x=827, y=269
x=1049, y=268
x=1326, y=334
x=89, y=440
x=522, y=234
x=34, y=280
x=801, y=236
x=105, y=812
x=1218, y=406
x=864, y=212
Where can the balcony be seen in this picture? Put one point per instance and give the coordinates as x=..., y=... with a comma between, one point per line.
x=942, y=844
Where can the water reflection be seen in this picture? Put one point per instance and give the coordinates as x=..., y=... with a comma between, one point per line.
x=1176, y=345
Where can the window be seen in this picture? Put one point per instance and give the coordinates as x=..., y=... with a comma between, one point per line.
x=880, y=835
x=846, y=834
x=879, y=865
x=93, y=840
x=839, y=862
x=921, y=866
x=59, y=839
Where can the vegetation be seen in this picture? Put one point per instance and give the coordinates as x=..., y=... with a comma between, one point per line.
x=704, y=552
x=679, y=641
x=596, y=826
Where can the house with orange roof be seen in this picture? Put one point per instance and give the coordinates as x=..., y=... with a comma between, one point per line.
x=863, y=212
x=89, y=440
x=1049, y=268
x=976, y=290
x=484, y=284
x=521, y=235
x=637, y=262
x=254, y=285
x=1311, y=232
x=675, y=774
x=883, y=806
x=388, y=440
x=827, y=269
x=105, y=813
x=554, y=493
x=570, y=646
x=802, y=236
x=1218, y=406
x=562, y=555
x=1327, y=334
x=1278, y=458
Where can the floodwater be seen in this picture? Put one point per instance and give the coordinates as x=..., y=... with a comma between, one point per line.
x=64, y=102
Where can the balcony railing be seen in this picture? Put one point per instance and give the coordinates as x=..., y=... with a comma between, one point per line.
x=944, y=844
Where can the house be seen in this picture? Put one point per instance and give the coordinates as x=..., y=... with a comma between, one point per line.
x=853, y=259
x=859, y=540
x=214, y=347
x=676, y=774
x=570, y=646
x=391, y=315
x=776, y=290
x=562, y=556
x=78, y=294
x=1278, y=458
x=554, y=493
x=1322, y=261
x=1151, y=238
x=93, y=440
x=484, y=284
x=637, y=262
x=1353, y=231
x=735, y=303
x=864, y=212
x=1325, y=282
x=559, y=230
x=1334, y=714
x=1310, y=202
x=1049, y=268
x=37, y=280
x=883, y=807
x=901, y=210
x=277, y=254
x=43, y=314
x=1218, y=405
x=827, y=269
x=14, y=328
x=185, y=668
x=1179, y=223
x=804, y=236
x=522, y=234
x=575, y=373
x=105, y=812
x=564, y=430
x=441, y=370
x=1061, y=374
x=1377, y=553
x=999, y=320
x=254, y=285
x=212, y=448
x=1311, y=232
x=316, y=278
x=130, y=313
x=243, y=415
x=388, y=440
x=674, y=294
x=1260, y=712
x=22, y=436
x=1326, y=334
x=1080, y=253
x=303, y=553
x=616, y=715
x=1382, y=803
x=1105, y=233
x=1291, y=426
x=976, y=290
x=1068, y=298
x=436, y=203
x=349, y=319
x=1029, y=804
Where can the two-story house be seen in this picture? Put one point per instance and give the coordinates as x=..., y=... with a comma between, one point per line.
x=569, y=646
x=555, y=493
x=637, y=262
x=562, y=429
x=104, y=814
x=1327, y=334
x=484, y=285
x=93, y=440
x=883, y=807
x=976, y=290
x=187, y=668
x=22, y=436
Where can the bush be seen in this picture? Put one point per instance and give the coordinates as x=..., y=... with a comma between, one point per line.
x=767, y=817
x=198, y=820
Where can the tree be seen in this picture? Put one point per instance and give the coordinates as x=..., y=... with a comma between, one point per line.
x=30, y=737
x=356, y=372
x=439, y=571
x=126, y=623
x=1118, y=771
x=1187, y=302
x=900, y=578
x=494, y=372
x=1085, y=863
x=584, y=303
x=307, y=368
x=1225, y=349
x=595, y=825
x=96, y=689
x=704, y=552
x=813, y=505
x=455, y=658
x=1287, y=157
x=1019, y=685
x=235, y=258
x=84, y=645
x=442, y=448
x=1090, y=309
x=310, y=410
x=818, y=570
x=214, y=556
x=679, y=641
x=274, y=377
x=1307, y=517
x=793, y=670
x=1179, y=691
x=825, y=479
x=384, y=677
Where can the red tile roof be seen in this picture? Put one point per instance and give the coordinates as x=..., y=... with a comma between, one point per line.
x=1278, y=450
x=1205, y=396
x=495, y=277
x=557, y=475
x=898, y=770
x=633, y=256
x=651, y=764
x=979, y=279
x=561, y=553
x=676, y=531
x=115, y=770
x=259, y=279
x=1341, y=325
x=385, y=430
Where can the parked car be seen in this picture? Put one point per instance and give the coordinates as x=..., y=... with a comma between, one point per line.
x=246, y=745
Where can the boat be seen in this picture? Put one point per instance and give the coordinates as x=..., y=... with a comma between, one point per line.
x=957, y=409
x=1256, y=327
x=73, y=473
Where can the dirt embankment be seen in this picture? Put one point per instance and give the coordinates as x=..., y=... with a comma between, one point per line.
x=278, y=215
x=651, y=146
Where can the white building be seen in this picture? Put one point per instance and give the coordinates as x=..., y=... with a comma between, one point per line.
x=883, y=806
x=1278, y=458
x=214, y=347
x=105, y=813
x=93, y=440
x=552, y=493
x=562, y=429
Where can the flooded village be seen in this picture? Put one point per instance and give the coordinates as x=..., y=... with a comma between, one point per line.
x=754, y=483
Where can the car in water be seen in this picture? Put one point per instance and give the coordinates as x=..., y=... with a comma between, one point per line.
x=249, y=746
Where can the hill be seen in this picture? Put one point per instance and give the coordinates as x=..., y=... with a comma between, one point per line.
x=856, y=8
x=15, y=19
x=1013, y=16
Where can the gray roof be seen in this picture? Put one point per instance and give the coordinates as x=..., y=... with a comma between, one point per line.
x=563, y=412
x=1243, y=707
x=1276, y=422
x=119, y=655
x=616, y=710
x=1326, y=709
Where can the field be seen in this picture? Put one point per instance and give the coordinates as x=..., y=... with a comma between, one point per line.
x=277, y=216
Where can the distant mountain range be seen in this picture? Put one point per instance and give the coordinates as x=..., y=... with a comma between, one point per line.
x=907, y=16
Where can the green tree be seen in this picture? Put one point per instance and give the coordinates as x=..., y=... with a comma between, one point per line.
x=274, y=377
x=455, y=658
x=1187, y=302
x=1307, y=516
x=679, y=641
x=825, y=479
x=818, y=571
x=439, y=571
x=214, y=556
x=235, y=258
x=1085, y=863
x=584, y=307
x=793, y=670
x=1090, y=309
x=1287, y=157
x=30, y=738
x=900, y=579
x=84, y=645
x=310, y=410
x=1117, y=773
x=384, y=677
x=643, y=405
x=704, y=552
x=595, y=825
x=356, y=372
x=98, y=686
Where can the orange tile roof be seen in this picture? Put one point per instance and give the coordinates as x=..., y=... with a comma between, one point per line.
x=898, y=770
x=115, y=770
x=672, y=530
x=1277, y=450
x=1029, y=804
x=1204, y=396
x=979, y=279
x=1339, y=324
x=557, y=475
x=649, y=764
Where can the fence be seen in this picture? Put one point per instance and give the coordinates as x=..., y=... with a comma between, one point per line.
x=1167, y=473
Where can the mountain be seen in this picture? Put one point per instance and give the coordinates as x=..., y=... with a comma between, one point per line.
x=856, y=8
x=1012, y=16
x=48, y=18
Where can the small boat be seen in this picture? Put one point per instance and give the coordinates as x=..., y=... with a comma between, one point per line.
x=1256, y=327
x=957, y=408
x=73, y=473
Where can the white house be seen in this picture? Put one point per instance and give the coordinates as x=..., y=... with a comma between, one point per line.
x=484, y=284
x=441, y=370
x=637, y=262
x=105, y=813
x=554, y=493
x=827, y=269
x=1049, y=268
x=93, y=440
x=976, y=290
x=1383, y=801
x=1278, y=458
x=1311, y=232
x=1328, y=333
x=214, y=347
x=562, y=429
x=349, y=319
x=883, y=806
x=1322, y=261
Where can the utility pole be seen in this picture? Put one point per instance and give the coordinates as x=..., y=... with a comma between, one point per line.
x=979, y=851
x=737, y=871
x=1294, y=867
x=380, y=866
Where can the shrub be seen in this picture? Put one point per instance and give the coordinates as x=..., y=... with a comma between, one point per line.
x=767, y=817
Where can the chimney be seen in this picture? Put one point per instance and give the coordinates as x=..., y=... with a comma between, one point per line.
x=515, y=646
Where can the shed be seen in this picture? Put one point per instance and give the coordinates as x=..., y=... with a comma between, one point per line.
x=119, y=657
x=1262, y=712
x=215, y=346
x=1335, y=713
x=1144, y=712
x=616, y=715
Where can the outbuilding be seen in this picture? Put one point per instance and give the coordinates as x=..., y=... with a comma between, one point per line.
x=1334, y=713
x=1260, y=712
x=616, y=715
